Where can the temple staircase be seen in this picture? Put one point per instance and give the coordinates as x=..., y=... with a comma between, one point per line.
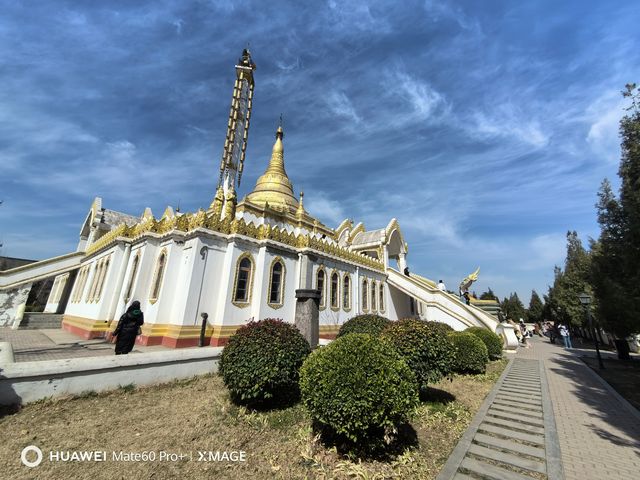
x=425, y=291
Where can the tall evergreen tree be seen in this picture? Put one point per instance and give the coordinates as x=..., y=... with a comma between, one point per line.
x=561, y=302
x=513, y=308
x=534, y=313
x=616, y=263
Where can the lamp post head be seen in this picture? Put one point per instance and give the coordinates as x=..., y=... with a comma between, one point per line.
x=585, y=299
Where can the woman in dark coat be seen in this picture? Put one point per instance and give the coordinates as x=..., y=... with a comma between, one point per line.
x=127, y=329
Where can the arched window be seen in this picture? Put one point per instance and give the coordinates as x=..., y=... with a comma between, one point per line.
x=103, y=275
x=156, y=285
x=320, y=286
x=381, y=302
x=335, y=285
x=132, y=278
x=346, y=293
x=373, y=295
x=242, y=284
x=365, y=295
x=276, y=285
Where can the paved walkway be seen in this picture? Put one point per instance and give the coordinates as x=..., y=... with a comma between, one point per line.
x=55, y=344
x=513, y=436
x=599, y=433
x=548, y=398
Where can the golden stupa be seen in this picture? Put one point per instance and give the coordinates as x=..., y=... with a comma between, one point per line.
x=274, y=187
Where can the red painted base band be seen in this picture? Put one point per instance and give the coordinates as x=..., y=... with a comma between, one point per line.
x=81, y=332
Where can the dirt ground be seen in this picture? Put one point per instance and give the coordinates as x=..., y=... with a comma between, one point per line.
x=195, y=419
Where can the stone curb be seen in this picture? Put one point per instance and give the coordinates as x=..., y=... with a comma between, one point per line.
x=551, y=440
x=457, y=456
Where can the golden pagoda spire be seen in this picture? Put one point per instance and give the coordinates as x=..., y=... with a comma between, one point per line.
x=300, y=211
x=274, y=185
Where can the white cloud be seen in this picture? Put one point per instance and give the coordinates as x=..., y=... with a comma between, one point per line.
x=341, y=105
x=328, y=211
x=444, y=10
x=545, y=251
x=425, y=102
x=507, y=121
x=604, y=117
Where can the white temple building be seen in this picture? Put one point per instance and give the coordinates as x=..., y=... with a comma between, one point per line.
x=237, y=261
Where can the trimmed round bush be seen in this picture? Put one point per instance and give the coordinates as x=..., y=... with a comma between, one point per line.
x=471, y=353
x=358, y=386
x=260, y=364
x=424, y=346
x=441, y=327
x=492, y=341
x=371, y=324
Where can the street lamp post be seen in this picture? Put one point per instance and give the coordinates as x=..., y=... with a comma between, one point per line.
x=585, y=300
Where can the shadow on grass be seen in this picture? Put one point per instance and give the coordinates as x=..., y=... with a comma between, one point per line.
x=380, y=445
x=431, y=394
x=6, y=410
x=278, y=402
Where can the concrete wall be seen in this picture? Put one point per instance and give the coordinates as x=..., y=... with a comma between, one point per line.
x=30, y=381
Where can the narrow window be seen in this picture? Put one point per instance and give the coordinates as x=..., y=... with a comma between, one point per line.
x=320, y=286
x=94, y=281
x=334, y=290
x=373, y=296
x=157, y=281
x=83, y=283
x=346, y=292
x=103, y=275
x=381, y=302
x=54, y=290
x=132, y=278
x=243, y=281
x=365, y=295
x=275, y=287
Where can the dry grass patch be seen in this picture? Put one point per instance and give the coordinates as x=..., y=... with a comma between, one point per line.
x=197, y=415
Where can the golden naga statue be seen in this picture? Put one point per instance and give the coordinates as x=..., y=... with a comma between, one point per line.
x=468, y=280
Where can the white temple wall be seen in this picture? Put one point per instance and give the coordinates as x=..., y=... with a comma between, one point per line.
x=204, y=280
x=160, y=310
x=214, y=287
x=122, y=302
x=227, y=313
x=288, y=309
x=98, y=308
x=399, y=305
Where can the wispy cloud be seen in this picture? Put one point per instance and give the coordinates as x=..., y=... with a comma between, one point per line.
x=484, y=128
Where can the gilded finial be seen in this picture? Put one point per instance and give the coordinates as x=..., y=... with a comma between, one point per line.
x=300, y=210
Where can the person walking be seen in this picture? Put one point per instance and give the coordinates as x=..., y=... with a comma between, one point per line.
x=566, y=336
x=128, y=328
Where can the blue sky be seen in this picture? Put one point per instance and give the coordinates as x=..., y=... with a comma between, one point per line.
x=484, y=127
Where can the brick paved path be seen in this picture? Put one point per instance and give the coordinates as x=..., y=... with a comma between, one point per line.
x=599, y=433
x=38, y=345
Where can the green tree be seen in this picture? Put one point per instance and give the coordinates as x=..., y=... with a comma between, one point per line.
x=488, y=295
x=534, y=313
x=513, y=308
x=616, y=255
x=572, y=282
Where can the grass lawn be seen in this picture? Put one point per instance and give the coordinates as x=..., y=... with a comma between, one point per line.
x=196, y=415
